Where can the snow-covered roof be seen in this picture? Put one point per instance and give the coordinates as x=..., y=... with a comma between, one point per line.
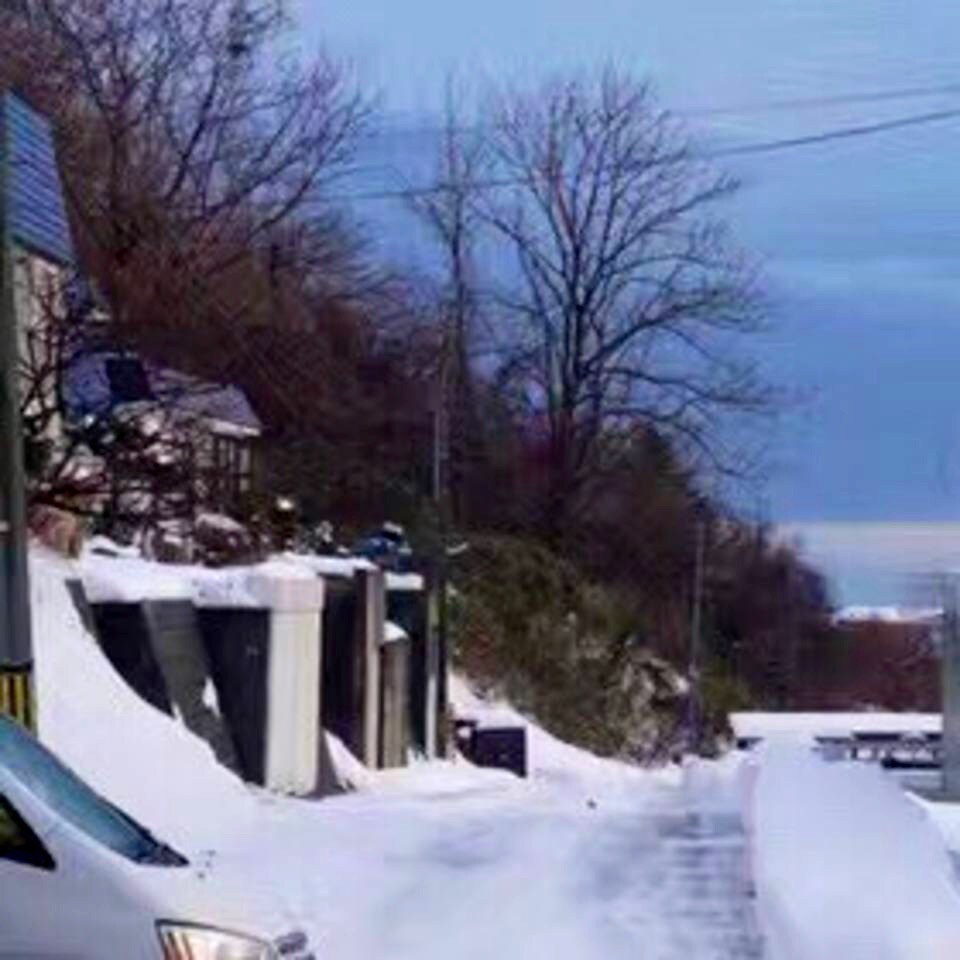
x=101, y=381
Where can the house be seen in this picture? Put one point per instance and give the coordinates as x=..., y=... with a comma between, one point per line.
x=205, y=431
x=190, y=444
x=43, y=256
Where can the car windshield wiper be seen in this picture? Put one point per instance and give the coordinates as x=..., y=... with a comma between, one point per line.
x=160, y=855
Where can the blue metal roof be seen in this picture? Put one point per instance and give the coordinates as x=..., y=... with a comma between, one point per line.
x=90, y=389
x=36, y=207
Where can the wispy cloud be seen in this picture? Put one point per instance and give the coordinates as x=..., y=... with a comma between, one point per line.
x=877, y=562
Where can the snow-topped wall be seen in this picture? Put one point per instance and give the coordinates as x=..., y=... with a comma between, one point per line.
x=136, y=756
x=844, y=864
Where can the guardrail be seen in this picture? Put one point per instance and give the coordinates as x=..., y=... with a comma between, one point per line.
x=897, y=751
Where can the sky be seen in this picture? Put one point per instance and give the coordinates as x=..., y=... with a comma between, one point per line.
x=859, y=238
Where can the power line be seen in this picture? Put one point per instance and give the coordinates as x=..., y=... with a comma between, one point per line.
x=834, y=100
x=840, y=134
x=895, y=94
x=767, y=146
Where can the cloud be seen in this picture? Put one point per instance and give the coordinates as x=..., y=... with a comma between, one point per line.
x=876, y=562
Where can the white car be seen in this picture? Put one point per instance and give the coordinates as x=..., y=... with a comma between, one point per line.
x=81, y=880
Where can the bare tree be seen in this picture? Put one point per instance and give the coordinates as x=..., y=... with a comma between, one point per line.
x=450, y=214
x=624, y=294
x=190, y=137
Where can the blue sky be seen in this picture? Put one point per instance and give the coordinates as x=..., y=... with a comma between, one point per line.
x=860, y=238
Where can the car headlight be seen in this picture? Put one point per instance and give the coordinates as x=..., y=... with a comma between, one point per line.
x=183, y=942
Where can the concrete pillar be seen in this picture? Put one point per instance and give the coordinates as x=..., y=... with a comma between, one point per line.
x=950, y=657
x=395, y=699
x=370, y=627
x=293, y=680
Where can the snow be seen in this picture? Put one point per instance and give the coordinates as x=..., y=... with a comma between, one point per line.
x=125, y=579
x=551, y=761
x=220, y=522
x=588, y=859
x=108, y=547
x=845, y=865
x=344, y=567
x=909, y=615
x=393, y=633
x=812, y=725
x=135, y=755
x=405, y=582
x=583, y=861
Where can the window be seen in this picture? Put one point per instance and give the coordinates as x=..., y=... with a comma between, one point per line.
x=232, y=469
x=18, y=843
x=40, y=772
x=128, y=380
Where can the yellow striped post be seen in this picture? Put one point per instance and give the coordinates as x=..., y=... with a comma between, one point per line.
x=16, y=695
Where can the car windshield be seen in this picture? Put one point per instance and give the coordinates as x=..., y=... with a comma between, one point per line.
x=40, y=772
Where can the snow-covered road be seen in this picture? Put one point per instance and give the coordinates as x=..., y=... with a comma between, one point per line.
x=519, y=871
x=588, y=859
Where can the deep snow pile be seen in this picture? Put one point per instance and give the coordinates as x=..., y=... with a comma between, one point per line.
x=844, y=863
x=587, y=860
x=553, y=762
x=135, y=755
x=436, y=860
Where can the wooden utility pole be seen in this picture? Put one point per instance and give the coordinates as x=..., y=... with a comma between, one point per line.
x=695, y=704
x=439, y=627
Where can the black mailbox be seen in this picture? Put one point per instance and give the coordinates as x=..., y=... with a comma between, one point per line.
x=502, y=747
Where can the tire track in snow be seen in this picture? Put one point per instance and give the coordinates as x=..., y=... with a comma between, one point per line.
x=674, y=885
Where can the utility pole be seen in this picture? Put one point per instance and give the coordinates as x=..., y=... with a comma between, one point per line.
x=16, y=650
x=439, y=629
x=695, y=704
x=950, y=665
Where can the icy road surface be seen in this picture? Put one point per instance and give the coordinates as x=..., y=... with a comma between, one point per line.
x=530, y=872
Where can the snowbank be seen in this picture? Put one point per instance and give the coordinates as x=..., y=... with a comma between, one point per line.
x=133, y=754
x=845, y=865
x=762, y=725
x=554, y=763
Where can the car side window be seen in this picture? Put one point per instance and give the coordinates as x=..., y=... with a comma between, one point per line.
x=18, y=843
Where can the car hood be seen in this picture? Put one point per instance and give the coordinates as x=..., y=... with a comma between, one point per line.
x=203, y=893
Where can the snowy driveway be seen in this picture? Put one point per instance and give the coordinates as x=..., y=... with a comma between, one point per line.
x=531, y=872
